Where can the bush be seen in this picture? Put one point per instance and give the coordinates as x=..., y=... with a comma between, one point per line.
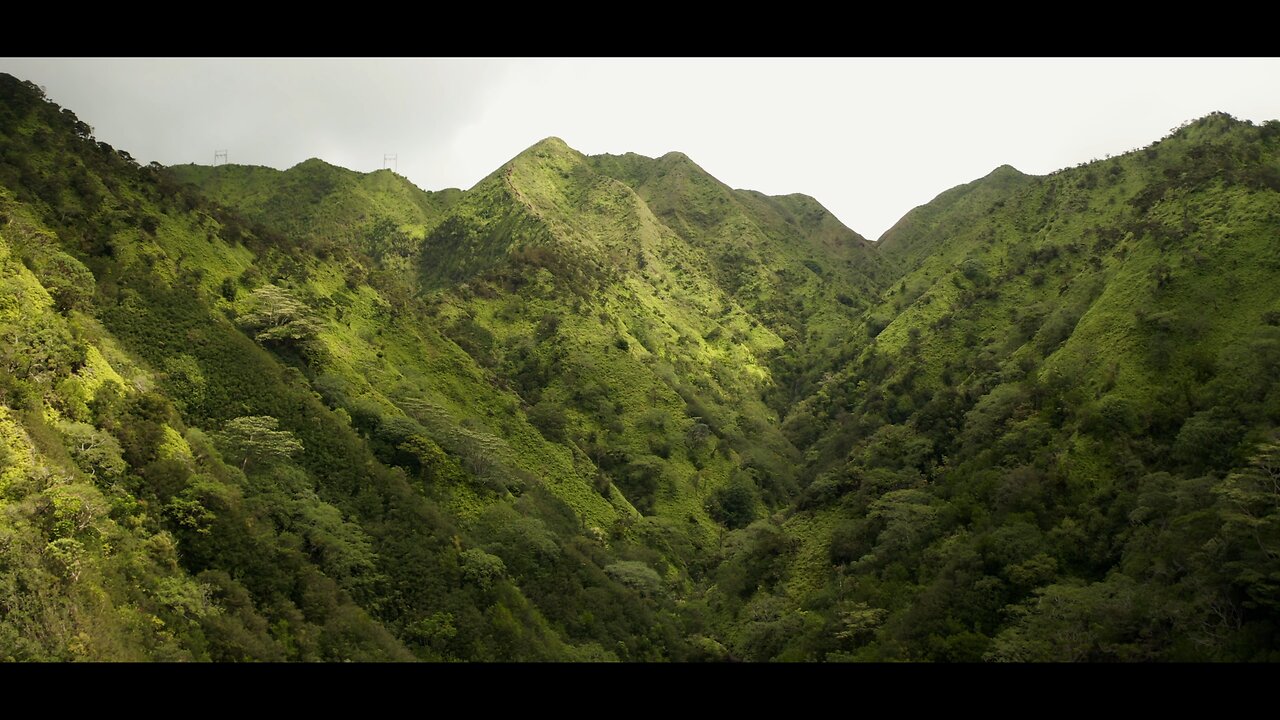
x=826, y=489
x=68, y=281
x=480, y=568
x=1208, y=440
x=550, y=420
x=638, y=479
x=734, y=505
x=849, y=541
x=635, y=575
x=974, y=271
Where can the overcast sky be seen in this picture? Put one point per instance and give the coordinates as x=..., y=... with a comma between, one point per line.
x=870, y=139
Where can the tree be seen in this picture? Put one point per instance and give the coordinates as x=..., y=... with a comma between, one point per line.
x=95, y=452
x=734, y=505
x=69, y=282
x=859, y=621
x=1249, y=509
x=1209, y=439
x=256, y=438
x=550, y=420
x=481, y=569
x=1075, y=621
x=635, y=575
x=276, y=316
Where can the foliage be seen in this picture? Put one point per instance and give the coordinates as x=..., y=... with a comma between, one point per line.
x=257, y=438
x=275, y=316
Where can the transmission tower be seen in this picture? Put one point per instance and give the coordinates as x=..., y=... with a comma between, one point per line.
x=219, y=155
x=395, y=163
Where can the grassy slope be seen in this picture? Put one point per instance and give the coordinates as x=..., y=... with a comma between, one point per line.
x=317, y=198
x=790, y=264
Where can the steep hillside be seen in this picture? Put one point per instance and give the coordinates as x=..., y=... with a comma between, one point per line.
x=786, y=260
x=642, y=361
x=619, y=306
x=232, y=405
x=1058, y=444
x=527, y=414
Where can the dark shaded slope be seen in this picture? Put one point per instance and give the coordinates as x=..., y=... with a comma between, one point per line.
x=1070, y=396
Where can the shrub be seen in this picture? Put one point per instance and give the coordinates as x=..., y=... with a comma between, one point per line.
x=635, y=575
x=734, y=505
x=550, y=420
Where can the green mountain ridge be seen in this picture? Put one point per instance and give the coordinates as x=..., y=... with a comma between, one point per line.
x=608, y=408
x=916, y=227
x=314, y=196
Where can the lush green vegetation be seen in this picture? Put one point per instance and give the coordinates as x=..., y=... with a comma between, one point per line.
x=1054, y=448
x=607, y=408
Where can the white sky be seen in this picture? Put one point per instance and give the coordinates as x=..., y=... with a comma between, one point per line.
x=870, y=139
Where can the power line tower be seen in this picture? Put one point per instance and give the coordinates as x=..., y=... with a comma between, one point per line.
x=395, y=162
x=219, y=155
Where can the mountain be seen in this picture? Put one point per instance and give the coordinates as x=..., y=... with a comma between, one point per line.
x=181, y=482
x=1057, y=444
x=316, y=197
x=510, y=423
x=608, y=408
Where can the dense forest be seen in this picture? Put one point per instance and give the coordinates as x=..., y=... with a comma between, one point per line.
x=606, y=408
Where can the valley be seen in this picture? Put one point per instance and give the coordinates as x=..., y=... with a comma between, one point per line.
x=607, y=408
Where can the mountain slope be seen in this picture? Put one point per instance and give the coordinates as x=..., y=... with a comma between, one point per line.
x=1050, y=435
x=921, y=232
x=523, y=415
x=786, y=260
x=623, y=343
x=295, y=529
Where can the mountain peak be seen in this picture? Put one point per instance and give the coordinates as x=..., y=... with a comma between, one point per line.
x=1003, y=176
x=313, y=163
x=1210, y=126
x=549, y=144
x=675, y=158
x=549, y=149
